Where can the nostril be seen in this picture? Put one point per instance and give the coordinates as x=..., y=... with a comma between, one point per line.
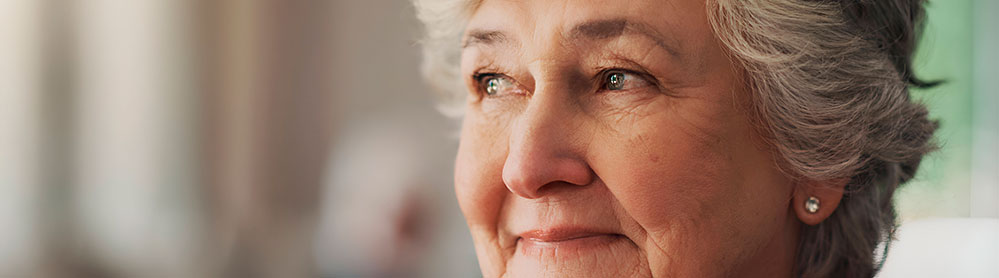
x=534, y=180
x=521, y=182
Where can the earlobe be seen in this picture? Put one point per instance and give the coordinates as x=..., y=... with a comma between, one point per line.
x=814, y=201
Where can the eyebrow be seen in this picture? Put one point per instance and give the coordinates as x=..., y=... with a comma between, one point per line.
x=590, y=30
x=484, y=37
x=612, y=28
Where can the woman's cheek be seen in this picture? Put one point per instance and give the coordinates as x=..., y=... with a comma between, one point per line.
x=669, y=182
x=478, y=170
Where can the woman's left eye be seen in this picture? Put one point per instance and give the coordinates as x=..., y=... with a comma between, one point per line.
x=621, y=80
x=496, y=85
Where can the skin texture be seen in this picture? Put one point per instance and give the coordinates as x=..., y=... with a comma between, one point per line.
x=668, y=173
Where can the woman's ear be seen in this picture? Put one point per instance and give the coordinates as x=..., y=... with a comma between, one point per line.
x=826, y=193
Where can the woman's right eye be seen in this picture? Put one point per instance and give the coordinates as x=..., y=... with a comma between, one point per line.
x=496, y=85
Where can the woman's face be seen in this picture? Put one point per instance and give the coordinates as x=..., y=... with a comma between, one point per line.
x=611, y=139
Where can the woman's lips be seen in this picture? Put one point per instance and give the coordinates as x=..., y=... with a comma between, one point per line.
x=560, y=234
x=563, y=242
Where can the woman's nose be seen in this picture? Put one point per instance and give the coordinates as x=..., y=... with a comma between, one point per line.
x=546, y=150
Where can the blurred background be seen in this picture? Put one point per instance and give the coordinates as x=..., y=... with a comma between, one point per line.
x=229, y=138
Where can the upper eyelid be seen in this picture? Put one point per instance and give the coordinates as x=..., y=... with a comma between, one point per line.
x=485, y=69
x=484, y=72
x=478, y=77
x=626, y=68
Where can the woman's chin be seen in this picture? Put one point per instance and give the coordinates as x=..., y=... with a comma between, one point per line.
x=593, y=256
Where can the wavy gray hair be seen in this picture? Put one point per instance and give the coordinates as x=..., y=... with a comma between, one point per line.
x=830, y=82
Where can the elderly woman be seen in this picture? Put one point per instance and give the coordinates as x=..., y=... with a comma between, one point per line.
x=680, y=138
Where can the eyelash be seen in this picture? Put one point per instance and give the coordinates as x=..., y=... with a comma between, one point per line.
x=605, y=74
x=602, y=78
x=480, y=78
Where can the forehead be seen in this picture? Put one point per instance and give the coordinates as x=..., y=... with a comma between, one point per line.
x=674, y=25
x=560, y=10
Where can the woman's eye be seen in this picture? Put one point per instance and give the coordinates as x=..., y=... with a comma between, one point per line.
x=619, y=80
x=497, y=85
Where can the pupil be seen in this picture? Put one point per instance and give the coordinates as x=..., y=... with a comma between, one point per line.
x=492, y=86
x=616, y=81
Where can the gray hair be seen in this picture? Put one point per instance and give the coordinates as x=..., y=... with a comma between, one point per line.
x=830, y=88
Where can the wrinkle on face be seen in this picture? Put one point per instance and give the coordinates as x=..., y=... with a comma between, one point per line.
x=665, y=159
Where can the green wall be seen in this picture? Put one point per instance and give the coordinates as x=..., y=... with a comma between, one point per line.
x=942, y=187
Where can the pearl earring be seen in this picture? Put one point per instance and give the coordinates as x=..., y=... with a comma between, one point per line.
x=812, y=205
